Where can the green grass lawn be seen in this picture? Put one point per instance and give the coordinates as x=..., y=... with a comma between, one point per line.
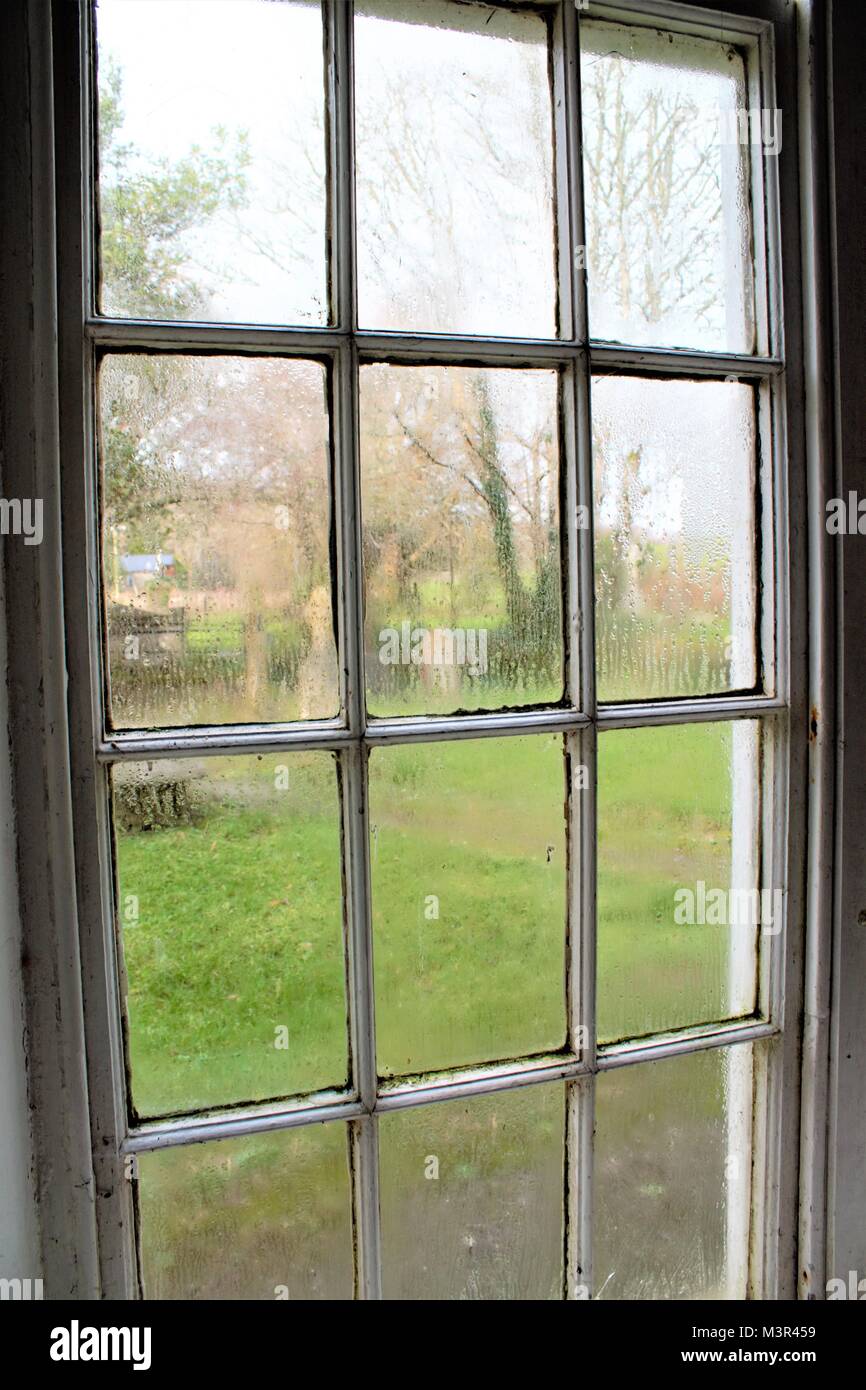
x=238, y=932
x=238, y=937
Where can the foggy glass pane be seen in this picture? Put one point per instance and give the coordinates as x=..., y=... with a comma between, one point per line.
x=671, y=1177
x=679, y=911
x=472, y=1197
x=230, y=915
x=666, y=153
x=262, y=1217
x=461, y=545
x=675, y=546
x=212, y=160
x=469, y=874
x=215, y=539
x=454, y=142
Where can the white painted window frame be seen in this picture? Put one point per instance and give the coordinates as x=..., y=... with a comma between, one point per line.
x=759, y=29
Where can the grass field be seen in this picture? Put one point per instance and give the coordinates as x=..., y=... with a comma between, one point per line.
x=237, y=929
x=236, y=987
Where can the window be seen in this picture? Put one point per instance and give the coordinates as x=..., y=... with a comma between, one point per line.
x=431, y=650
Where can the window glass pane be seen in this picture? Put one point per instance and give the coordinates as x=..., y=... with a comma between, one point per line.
x=671, y=1176
x=667, y=170
x=263, y=1217
x=215, y=535
x=471, y=1197
x=468, y=864
x=454, y=169
x=675, y=545
x=230, y=914
x=679, y=911
x=212, y=160
x=460, y=478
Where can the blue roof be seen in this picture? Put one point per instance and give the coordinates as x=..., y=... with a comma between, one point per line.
x=145, y=564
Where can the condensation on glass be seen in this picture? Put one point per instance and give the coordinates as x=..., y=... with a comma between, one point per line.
x=668, y=142
x=675, y=478
x=454, y=169
x=211, y=144
x=472, y=1198
x=681, y=908
x=218, y=593
x=461, y=538
x=216, y=540
x=230, y=919
x=672, y=1177
x=469, y=876
x=263, y=1217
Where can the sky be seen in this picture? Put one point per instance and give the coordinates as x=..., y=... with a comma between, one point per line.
x=189, y=66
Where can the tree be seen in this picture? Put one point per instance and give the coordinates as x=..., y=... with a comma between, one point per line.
x=652, y=198
x=144, y=211
x=147, y=208
x=465, y=465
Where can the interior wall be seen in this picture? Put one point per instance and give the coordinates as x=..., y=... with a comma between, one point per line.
x=56, y=1106
x=19, y=1244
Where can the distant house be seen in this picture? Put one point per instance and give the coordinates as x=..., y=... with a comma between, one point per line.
x=138, y=570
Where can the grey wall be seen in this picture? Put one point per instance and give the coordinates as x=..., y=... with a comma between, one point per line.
x=19, y=1246
x=35, y=665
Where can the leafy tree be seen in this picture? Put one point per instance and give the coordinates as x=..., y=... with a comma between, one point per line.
x=146, y=208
